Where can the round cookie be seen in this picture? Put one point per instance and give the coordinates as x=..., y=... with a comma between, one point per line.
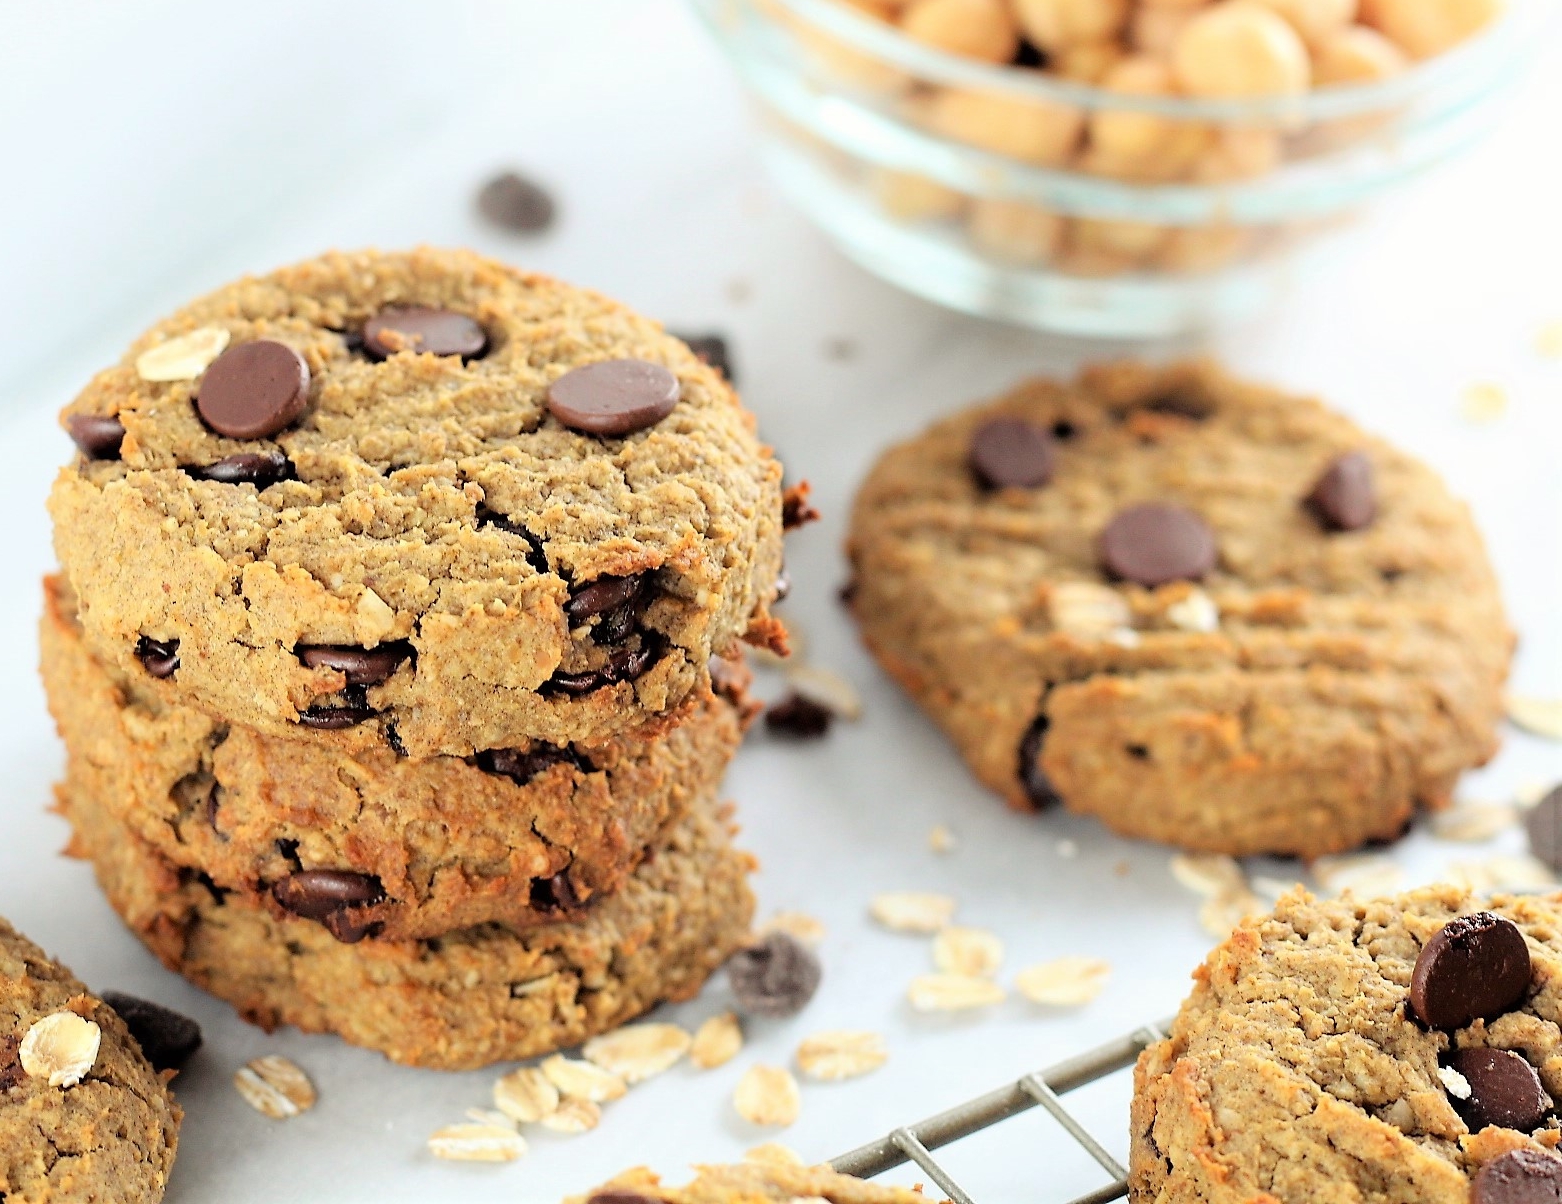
x=446, y=546
x=1198, y=628
x=1311, y=1063
x=367, y=843
x=749, y=1183
x=467, y=998
x=83, y=1116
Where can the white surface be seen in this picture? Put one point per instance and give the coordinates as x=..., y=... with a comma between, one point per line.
x=170, y=145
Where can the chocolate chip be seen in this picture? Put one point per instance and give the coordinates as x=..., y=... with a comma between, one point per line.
x=795, y=510
x=165, y=1037
x=625, y=664
x=1154, y=543
x=1180, y=405
x=1343, y=498
x=97, y=436
x=605, y=593
x=334, y=718
x=425, y=331
x=1504, y=1090
x=363, y=666
x=1477, y=967
x=619, y=1196
x=351, y=925
x=315, y=894
x=259, y=469
x=11, y=1071
x=1544, y=825
x=1063, y=430
x=535, y=556
x=798, y=717
x=1038, y=787
x=774, y=978
x=160, y=657
x=554, y=894
x=613, y=397
x=521, y=767
x=1522, y=1176
x=712, y=349
x=516, y=203
x=1010, y=453
x=253, y=390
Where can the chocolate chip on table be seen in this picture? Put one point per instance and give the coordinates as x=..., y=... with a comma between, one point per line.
x=613, y=397
x=253, y=390
x=712, y=349
x=1343, y=498
x=554, y=894
x=795, y=508
x=521, y=767
x=363, y=666
x=166, y=1037
x=603, y=594
x=1038, y=787
x=96, y=435
x=259, y=469
x=1504, y=1090
x=775, y=977
x=1010, y=453
x=424, y=331
x=1522, y=1176
x=517, y=204
x=1155, y=543
x=1544, y=826
x=799, y=717
x=1476, y=967
x=160, y=657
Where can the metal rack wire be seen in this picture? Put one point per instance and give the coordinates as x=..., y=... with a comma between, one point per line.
x=1044, y=1088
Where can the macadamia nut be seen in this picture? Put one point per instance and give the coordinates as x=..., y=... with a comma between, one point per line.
x=1314, y=20
x=1238, y=49
x=1143, y=147
x=912, y=198
x=1032, y=130
x=976, y=29
x=1427, y=27
x=1015, y=231
x=1356, y=55
x=1058, y=24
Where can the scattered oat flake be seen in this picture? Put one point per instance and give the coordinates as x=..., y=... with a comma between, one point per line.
x=942, y=840
x=1208, y=873
x=796, y=924
x=1549, y=341
x=717, y=1041
x=1528, y=795
x=826, y=688
x=1514, y=873
x=526, y=1095
x=61, y=1048
x=1538, y=716
x=491, y=1116
x=912, y=911
x=953, y=992
x=582, y=1080
x=477, y=1143
x=1365, y=875
x=184, y=357
x=1483, y=402
x=768, y=1095
x=573, y=1116
x=841, y=1054
x=1473, y=822
x=637, y=1052
x=1086, y=609
x=1456, y=1084
x=275, y=1087
x=1220, y=914
x=1066, y=982
x=971, y=951
x=773, y=1153
x=1273, y=888
x=1196, y=613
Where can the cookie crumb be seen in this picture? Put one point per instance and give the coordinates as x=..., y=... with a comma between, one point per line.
x=1195, y=613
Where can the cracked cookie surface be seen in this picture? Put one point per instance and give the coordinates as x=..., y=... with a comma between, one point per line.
x=427, y=509
x=1300, y=689
x=110, y=1136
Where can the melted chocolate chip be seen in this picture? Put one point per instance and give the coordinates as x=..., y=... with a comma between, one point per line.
x=316, y=894
x=363, y=666
x=1504, y=1090
x=423, y=331
x=521, y=767
x=513, y=202
x=798, y=717
x=160, y=657
x=1038, y=787
x=774, y=978
x=535, y=555
x=1544, y=826
x=166, y=1037
x=11, y=1072
x=1477, y=967
x=96, y=435
x=1010, y=453
x=795, y=509
x=253, y=390
x=334, y=717
x=351, y=925
x=613, y=397
x=603, y=594
x=1343, y=498
x=1522, y=1176
x=554, y=894
x=624, y=664
x=712, y=349
x=259, y=469
x=1154, y=543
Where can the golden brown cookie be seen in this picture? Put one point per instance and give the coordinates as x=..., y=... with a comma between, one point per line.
x=84, y=1118
x=367, y=842
x=423, y=499
x=1206, y=612
x=770, y=1182
x=463, y=999
x=1393, y=1051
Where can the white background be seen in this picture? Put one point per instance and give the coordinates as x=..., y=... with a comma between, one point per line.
x=155, y=150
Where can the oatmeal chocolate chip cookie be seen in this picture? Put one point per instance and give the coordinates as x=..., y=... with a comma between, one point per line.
x=457, y=1001
x=1224, y=618
x=1393, y=1051
x=83, y=1116
x=420, y=498
x=363, y=841
x=749, y=1183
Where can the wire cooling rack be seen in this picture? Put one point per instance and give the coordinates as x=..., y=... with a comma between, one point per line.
x=1044, y=1089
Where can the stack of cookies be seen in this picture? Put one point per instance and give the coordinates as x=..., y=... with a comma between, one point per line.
x=395, y=652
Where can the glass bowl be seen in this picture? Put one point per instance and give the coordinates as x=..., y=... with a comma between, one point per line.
x=1059, y=204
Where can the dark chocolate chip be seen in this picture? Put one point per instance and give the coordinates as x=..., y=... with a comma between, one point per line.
x=97, y=436
x=847, y=593
x=351, y=925
x=712, y=348
x=798, y=717
x=574, y=684
x=334, y=718
x=259, y=469
x=516, y=204
x=1063, y=430
x=1504, y=1090
x=1154, y=543
x=1180, y=405
x=1477, y=967
x=166, y=1037
x=535, y=555
x=423, y=331
x=315, y=894
x=1010, y=453
x=795, y=509
x=613, y=397
x=1038, y=787
x=1522, y=1176
x=521, y=767
x=288, y=848
x=363, y=666
x=617, y=625
x=774, y=978
x=618, y=1195
x=605, y=593
x=624, y=664
x=1544, y=825
x=1343, y=498
x=11, y=1071
x=160, y=657
x=253, y=390
x=554, y=894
